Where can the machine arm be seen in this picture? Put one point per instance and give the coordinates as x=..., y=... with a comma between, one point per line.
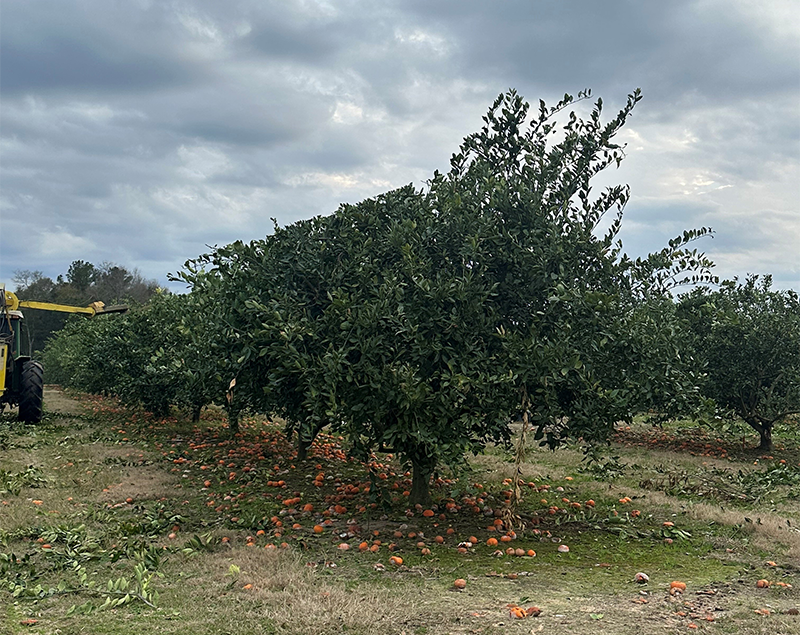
x=12, y=303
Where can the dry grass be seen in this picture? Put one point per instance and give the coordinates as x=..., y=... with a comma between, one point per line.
x=75, y=473
x=539, y=464
x=75, y=470
x=766, y=528
x=296, y=600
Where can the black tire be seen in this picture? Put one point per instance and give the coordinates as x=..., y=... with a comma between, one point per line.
x=31, y=392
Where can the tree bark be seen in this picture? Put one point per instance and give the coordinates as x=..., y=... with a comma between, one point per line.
x=766, y=438
x=196, y=410
x=233, y=419
x=304, y=442
x=764, y=432
x=302, y=448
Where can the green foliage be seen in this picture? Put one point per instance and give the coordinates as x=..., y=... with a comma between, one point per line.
x=164, y=353
x=13, y=482
x=117, y=592
x=602, y=468
x=736, y=486
x=421, y=321
x=199, y=544
x=20, y=577
x=748, y=337
x=135, y=356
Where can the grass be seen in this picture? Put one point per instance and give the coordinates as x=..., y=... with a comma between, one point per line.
x=191, y=520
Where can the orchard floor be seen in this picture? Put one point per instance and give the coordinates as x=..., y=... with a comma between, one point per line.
x=237, y=536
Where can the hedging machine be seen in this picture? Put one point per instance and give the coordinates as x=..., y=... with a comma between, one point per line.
x=21, y=378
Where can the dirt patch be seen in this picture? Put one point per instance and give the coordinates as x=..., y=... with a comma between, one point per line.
x=103, y=452
x=141, y=483
x=56, y=401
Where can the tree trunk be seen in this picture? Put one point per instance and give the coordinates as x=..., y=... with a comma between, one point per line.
x=233, y=420
x=766, y=438
x=420, y=482
x=304, y=441
x=196, y=409
x=302, y=448
x=764, y=432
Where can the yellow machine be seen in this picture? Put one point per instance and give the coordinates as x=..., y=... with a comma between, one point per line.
x=21, y=378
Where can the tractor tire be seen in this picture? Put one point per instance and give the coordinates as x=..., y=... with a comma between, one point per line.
x=31, y=393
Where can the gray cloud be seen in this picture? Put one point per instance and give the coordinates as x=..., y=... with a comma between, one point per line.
x=93, y=48
x=140, y=132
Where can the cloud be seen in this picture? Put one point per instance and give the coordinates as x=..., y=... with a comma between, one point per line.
x=60, y=242
x=141, y=132
x=54, y=46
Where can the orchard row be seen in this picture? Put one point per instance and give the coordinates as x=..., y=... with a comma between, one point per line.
x=425, y=322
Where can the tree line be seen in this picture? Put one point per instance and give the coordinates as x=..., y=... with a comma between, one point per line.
x=424, y=321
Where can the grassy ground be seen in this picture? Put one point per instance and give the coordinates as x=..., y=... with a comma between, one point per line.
x=101, y=505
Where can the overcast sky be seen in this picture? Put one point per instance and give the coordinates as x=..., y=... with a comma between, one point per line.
x=140, y=131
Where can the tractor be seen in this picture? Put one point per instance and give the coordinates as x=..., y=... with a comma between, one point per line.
x=22, y=378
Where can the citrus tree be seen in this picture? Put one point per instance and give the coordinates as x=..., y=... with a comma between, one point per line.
x=423, y=321
x=748, y=337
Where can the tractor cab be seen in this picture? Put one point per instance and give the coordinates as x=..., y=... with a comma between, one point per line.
x=20, y=378
x=11, y=330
